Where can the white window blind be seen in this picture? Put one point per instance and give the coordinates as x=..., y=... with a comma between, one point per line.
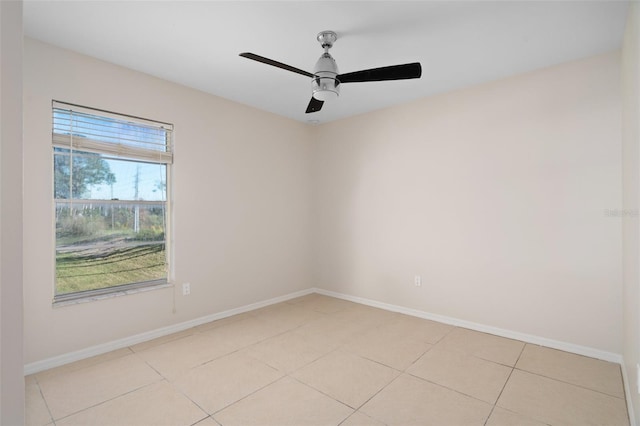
x=79, y=128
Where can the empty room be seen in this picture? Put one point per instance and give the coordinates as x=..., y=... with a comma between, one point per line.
x=319, y=213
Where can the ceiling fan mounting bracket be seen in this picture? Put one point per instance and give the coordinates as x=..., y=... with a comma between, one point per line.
x=326, y=39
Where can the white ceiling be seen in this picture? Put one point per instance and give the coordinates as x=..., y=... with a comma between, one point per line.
x=459, y=43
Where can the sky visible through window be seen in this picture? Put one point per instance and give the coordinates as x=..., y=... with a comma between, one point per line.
x=134, y=180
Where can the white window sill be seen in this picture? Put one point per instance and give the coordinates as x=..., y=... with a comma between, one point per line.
x=94, y=298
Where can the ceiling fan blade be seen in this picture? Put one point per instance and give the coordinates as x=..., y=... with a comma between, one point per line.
x=394, y=72
x=275, y=63
x=314, y=105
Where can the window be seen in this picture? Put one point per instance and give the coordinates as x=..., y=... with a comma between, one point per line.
x=111, y=186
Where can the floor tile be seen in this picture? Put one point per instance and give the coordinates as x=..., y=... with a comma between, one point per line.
x=36, y=411
x=287, y=352
x=482, y=345
x=321, y=360
x=325, y=304
x=554, y=402
x=223, y=321
x=225, y=380
x=417, y=328
x=412, y=401
x=162, y=340
x=79, y=389
x=291, y=314
x=346, y=377
x=207, y=422
x=502, y=417
x=463, y=373
x=305, y=298
x=359, y=419
x=240, y=334
x=84, y=363
x=175, y=357
x=594, y=374
x=392, y=349
x=286, y=402
x=332, y=333
x=372, y=311
x=365, y=315
x=157, y=404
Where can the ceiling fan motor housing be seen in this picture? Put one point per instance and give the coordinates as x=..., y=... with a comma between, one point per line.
x=324, y=85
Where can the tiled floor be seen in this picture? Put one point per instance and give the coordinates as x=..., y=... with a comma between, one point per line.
x=316, y=360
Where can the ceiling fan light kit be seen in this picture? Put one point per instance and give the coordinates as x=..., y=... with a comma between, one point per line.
x=324, y=86
x=325, y=80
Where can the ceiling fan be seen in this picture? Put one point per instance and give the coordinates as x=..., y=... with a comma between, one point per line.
x=325, y=80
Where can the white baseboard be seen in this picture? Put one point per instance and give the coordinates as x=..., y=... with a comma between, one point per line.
x=627, y=392
x=528, y=338
x=70, y=357
x=153, y=334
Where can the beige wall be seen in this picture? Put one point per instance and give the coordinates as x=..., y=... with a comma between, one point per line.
x=631, y=194
x=11, y=354
x=241, y=216
x=495, y=195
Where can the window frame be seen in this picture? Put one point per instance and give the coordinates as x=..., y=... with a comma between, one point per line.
x=165, y=158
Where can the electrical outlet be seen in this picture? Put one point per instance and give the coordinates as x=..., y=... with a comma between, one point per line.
x=186, y=289
x=417, y=281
